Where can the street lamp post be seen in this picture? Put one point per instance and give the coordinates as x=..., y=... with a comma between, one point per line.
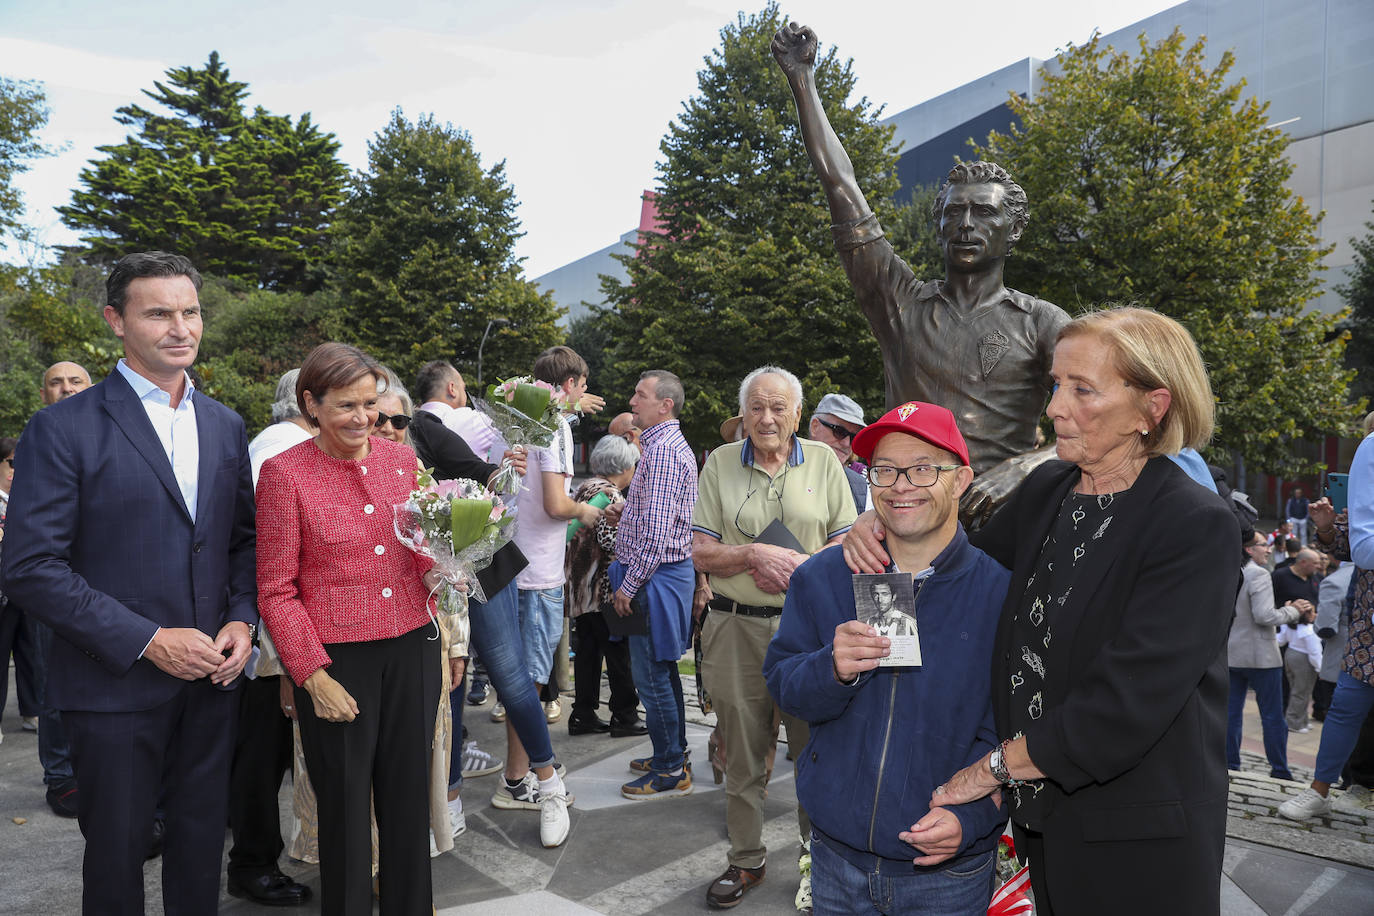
x=502, y=321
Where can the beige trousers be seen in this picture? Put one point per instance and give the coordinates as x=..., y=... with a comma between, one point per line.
x=732, y=648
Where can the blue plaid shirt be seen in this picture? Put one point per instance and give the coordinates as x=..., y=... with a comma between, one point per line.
x=656, y=526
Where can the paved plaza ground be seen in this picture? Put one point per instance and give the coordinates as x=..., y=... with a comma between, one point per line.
x=625, y=857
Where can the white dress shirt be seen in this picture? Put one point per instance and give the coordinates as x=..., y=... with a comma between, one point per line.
x=175, y=428
x=471, y=424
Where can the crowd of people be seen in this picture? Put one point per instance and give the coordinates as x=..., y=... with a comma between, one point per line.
x=206, y=614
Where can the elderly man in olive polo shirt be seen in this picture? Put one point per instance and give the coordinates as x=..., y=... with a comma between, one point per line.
x=764, y=505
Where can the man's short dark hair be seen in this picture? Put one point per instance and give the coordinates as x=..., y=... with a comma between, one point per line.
x=667, y=386
x=1018, y=206
x=329, y=366
x=431, y=379
x=558, y=364
x=145, y=264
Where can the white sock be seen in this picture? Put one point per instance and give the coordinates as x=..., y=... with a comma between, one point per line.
x=551, y=786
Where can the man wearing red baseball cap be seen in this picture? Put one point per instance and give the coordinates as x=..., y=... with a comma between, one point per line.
x=882, y=737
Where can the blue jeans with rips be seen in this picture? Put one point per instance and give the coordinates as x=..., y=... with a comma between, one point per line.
x=843, y=889
x=496, y=638
x=541, y=627
x=1268, y=685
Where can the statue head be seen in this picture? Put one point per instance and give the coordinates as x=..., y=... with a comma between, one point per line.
x=1013, y=197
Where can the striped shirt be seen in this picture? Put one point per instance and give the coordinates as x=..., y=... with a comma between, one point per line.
x=656, y=526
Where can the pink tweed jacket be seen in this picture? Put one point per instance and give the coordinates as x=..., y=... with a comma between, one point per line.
x=330, y=568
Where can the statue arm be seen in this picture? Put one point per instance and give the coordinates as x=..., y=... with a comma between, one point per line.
x=794, y=48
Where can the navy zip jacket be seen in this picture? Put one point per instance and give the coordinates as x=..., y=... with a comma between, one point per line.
x=880, y=746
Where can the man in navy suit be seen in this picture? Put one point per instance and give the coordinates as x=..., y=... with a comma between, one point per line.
x=132, y=537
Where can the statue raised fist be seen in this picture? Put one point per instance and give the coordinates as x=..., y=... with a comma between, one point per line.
x=794, y=48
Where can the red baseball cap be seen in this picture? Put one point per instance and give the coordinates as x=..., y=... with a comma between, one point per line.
x=929, y=422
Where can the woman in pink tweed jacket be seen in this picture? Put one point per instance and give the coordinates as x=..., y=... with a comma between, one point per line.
x=346, y=604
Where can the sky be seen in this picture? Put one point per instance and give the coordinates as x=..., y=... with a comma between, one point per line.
x=573, y=95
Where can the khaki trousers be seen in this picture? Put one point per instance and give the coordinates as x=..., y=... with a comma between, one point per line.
x=732, y=648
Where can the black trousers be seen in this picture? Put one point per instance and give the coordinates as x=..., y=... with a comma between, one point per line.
x=593, y=644
x=16, y=636
x=262, y=756
x=179, y=751
x=383, y=754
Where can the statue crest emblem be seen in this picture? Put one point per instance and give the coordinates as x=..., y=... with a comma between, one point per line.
x=991, y=348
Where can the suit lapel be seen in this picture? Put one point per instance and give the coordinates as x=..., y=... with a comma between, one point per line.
x=1085, y=598
x=127, y=411
x=207, y=463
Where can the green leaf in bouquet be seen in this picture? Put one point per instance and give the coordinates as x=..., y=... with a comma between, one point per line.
x=531, y=400
x=468, y=520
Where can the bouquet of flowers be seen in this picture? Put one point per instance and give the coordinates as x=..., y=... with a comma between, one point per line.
x=460, y=525
x=525, y=412
x=1010, y=899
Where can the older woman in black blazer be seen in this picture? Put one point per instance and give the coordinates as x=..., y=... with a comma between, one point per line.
x=1110, y=678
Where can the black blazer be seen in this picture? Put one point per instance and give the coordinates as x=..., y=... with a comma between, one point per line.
x=450, y=456
x=1134, y=730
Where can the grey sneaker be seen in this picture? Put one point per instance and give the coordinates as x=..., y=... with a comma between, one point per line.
x=1307, y=804
x=1357, y=799
x=477, y=762
x=523, y=796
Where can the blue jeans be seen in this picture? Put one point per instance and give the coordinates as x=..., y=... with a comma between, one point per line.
x=541, y=627
x=496, y=637
x=1349, y=705
x=1268, y=686
x=839, y=887
x=660, y=691
x=53, y=751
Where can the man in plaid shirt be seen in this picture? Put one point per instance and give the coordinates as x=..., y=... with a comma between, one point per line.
x=652, y=575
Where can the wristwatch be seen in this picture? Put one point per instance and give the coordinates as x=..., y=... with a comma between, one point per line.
x=997, y=762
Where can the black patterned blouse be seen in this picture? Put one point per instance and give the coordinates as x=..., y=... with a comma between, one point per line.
x=1084, y=521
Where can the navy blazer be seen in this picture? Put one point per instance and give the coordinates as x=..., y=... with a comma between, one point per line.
x=101, y=547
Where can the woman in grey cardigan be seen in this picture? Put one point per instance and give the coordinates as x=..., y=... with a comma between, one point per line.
x=1252, y=654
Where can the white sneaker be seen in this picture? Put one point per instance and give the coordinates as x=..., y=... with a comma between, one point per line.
x=553, y=711
x=803, y=899
x=455, y=816
x=1307, y=804
x=553, y=819
x=30, y=724
x=498, y=713
x=1357, y=798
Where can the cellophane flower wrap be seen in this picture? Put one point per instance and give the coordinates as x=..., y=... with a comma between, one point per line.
x=1011, y=897
x=459, y=524
x=526, y=413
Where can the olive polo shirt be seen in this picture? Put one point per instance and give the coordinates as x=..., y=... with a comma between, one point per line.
x=736, y=500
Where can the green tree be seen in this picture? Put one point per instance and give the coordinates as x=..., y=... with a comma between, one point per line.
x=23, y=112
x=1358, y=291
x=252, y=336
x=1152, y=180
x=425, y=256
x=745, y=272
x=245, y=195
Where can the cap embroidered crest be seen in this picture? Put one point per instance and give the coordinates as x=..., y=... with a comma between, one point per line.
x=907, y=409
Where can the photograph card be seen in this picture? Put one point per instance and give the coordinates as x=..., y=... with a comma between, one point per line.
x=886, y=602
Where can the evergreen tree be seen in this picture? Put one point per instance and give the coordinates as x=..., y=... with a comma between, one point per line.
x=745, y=271
x=1152, y=181
x=425, y=256
x=243, y=195
x=1358, y=291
